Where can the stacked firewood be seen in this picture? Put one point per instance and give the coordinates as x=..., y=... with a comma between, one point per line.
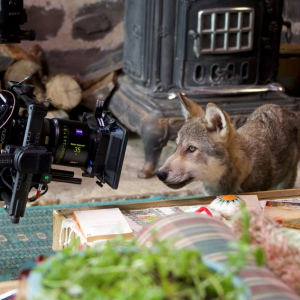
x=66, y=91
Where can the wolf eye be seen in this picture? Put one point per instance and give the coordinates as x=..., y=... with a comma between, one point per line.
x=192, y=149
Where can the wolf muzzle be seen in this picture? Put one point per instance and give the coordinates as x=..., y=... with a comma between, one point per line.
x=162, y=175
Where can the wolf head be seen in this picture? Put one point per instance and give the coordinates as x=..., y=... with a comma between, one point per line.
x=202, y=146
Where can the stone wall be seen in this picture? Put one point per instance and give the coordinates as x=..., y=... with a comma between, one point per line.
x=74, y=33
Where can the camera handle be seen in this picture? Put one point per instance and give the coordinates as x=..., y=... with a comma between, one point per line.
x=30, y=158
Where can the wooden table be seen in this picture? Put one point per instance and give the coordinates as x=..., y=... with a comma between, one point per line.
x=60, y=215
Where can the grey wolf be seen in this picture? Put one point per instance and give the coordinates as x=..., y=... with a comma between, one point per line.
x=261, y=155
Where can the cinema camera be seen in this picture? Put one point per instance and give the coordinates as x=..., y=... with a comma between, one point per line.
x=30, y=143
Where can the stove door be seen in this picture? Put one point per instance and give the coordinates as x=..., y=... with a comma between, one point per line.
x=225, y=42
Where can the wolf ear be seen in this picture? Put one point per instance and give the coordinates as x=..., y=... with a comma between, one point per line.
x=217, y=120
x=189, y=108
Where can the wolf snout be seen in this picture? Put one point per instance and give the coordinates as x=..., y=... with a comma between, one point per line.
x=162, y=175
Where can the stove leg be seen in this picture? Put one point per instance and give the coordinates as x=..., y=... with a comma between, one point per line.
x=154, y=137
x=155, y=120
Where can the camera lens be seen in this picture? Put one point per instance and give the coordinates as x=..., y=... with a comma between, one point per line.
x=71, y=142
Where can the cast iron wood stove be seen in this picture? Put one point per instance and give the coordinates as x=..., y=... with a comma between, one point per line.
x=218, y=51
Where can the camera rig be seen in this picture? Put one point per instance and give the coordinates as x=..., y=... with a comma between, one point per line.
x=31, y=143
x=12, y=15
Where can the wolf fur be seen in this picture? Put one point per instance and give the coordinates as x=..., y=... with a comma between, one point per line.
x=261, y=155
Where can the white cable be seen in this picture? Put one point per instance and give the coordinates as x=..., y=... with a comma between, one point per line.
x=13, y=107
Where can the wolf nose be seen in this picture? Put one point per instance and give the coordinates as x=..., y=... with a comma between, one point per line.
x=162, y=175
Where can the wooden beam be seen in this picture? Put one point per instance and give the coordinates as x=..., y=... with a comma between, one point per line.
x=289, y=49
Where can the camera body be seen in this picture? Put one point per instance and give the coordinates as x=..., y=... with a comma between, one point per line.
x=12, y=15
x=30, y=144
